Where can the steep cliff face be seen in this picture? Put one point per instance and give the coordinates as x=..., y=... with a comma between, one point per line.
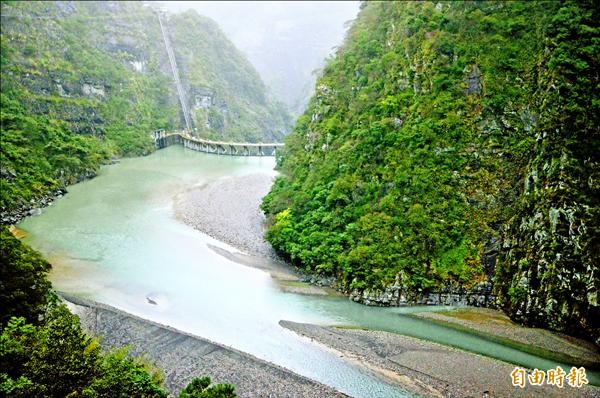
x=83, y=82
x=99, y=67
x=225, y=94
x=452, y=144
x=550, y=273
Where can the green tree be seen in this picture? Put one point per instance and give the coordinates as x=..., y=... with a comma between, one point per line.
x=56, y=359
x=124, y=376
x=200, y=387
x=45, y=353
x=24, y=286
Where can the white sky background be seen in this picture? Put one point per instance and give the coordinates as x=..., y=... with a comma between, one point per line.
x=284, y=40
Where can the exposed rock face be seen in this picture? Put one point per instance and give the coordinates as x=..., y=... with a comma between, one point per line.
x=91, y=90
x=203, y=97
x=552, y=249
x=474, y=81
x=138, y=65
x=479, y=296
x=226, y=97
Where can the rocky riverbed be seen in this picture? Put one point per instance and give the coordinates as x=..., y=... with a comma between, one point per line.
x=183, y=356
x=428, y=369
x=494, y=324
x=229, y=210
x=216, y=208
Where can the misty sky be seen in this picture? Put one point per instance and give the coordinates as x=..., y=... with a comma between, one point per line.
x=285, y=41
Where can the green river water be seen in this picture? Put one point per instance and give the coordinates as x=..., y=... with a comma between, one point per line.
x=114, y=239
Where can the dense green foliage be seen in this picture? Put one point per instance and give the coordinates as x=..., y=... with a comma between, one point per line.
x=58, y=360
x=424, y=147
x=41, y=154
x=67, y=106
x=45, y=353
x=201, y=387
x=83, y=82
x=23, y=287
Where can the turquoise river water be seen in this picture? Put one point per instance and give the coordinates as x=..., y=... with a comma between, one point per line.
x=114, y=239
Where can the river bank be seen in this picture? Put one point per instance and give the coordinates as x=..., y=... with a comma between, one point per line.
x=183, y=356
x=33, y=208
x=428, y=369
x=119, y=244
x=229, y=210
x=217, y=209
x=36, y=205
x=496, y=326
x=194, y=282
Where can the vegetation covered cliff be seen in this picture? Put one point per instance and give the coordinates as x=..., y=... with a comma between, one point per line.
x=453, y=143
x=83, y=82
x=226, y=97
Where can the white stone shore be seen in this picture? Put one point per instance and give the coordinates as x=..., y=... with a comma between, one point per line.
x=229, y=210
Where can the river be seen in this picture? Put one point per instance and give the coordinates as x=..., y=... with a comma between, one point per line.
x=115, y=239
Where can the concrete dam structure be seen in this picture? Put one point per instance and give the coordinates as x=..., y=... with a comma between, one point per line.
x=163, y=139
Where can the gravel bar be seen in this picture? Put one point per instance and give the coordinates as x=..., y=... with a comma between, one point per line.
x=495, y=323
x=183, y=356
x=228, y=209
x=428, y=369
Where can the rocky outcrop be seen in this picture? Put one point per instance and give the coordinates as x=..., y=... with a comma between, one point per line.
x=203, y=97
x=478, y=296
x=551, y=271
x=32, y=208
x=397, y=295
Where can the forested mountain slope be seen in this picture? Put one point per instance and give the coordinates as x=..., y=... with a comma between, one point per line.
x=225, y=94
x=449, y=143
x=85, y=81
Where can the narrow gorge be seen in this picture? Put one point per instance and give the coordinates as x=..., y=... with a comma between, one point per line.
x=425, y=225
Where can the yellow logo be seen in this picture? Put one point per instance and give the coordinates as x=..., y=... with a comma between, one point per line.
x=576, y=377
